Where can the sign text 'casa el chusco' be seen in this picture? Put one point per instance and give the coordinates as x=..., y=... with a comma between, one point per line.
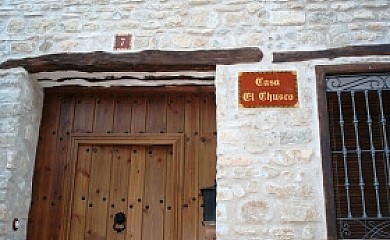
x=267, y=89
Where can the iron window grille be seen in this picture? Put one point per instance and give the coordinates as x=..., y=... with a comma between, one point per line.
x=359, y=115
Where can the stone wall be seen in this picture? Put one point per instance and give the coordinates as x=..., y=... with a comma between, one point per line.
x=269, y=170
x=36, y=27
x=269, y=164
x=20, y=107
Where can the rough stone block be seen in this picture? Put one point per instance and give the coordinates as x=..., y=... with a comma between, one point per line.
x=200, y=19
x=375, y=4
x=316, y=6
x=235, y=19
x=320, y=17
x=255, y=211
x=224, y=194
x=46, y=46
x=296, y=5
x=299, y=212
x=201, y=2
x=283, y=233
x=182, y=41
x=344, y=6
x=16, y=25
x=201, y=42
x=22, y=47
x=295, y=136
x=292, y=157
x=363, y=14
x=308, y=233
x=90, y=26
x=229, y=8
x=366, y=35
x=234, y=161
x=73, y=26
x=300, y=191
x=42, y=25
x=173, y=21
x=237, y=1
x=287, y=18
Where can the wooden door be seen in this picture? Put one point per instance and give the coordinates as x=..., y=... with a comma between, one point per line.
x=131, y=181
x=188, y=111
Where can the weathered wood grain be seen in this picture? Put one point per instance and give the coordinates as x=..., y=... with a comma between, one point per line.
x=149, y=60
x=351, y=51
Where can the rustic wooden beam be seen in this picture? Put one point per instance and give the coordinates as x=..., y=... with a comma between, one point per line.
x=149, y=60
x=351, y=51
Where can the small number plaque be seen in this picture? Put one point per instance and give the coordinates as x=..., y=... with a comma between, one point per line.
x=122, y=42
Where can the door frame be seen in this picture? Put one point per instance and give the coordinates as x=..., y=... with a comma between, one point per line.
x=176, y=140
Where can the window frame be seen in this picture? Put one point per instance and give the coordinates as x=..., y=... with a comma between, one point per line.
x=321, y=72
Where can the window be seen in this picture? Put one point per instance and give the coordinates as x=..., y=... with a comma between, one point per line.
x=357, y=161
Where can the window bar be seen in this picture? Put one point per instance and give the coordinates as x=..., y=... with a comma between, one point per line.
x=372, y=150
x=359, y=155
x=347, y=184
x=384, y=132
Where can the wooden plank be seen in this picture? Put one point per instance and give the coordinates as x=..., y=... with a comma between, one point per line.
x=175, y=113
x=208, y=141
x=135, y=193
x=84, y=113
x=148, y=60
x=156, y=116
x=122, y=114
x=118, y=189
x=191, y=168
x=59, y=189
x=98, y=193
x=328, y=179
x=40, y=213
x=207, y=153
x=129, y=91
x=80, y=193
x=154, y=193
x=170, y=217
x=138, y=110
x=104, y=113
x=332, y=53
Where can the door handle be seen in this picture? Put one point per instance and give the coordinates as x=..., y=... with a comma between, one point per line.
x=119, y=222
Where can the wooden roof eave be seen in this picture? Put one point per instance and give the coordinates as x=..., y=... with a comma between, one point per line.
x=143, y=61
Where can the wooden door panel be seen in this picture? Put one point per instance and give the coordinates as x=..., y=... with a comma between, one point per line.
x=104, y=113
x=154, y=193
x=139, y=110
x=84, y=113
x=119, y=187
x=122, y=114
x=207, y=146
x=170, y=223
x=135, y=195
x=156, y=116
x=99, y=190
x=175, y=113
x=43, y=173
x=59, y=204
x=191, y=166
x=81, y=193
x=187, y=110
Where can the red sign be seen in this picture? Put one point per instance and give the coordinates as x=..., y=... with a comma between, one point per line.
x=267, y=89
x=122, y=42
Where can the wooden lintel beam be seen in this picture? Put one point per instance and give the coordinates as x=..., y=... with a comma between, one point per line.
x=149, y=60
x=351, y=51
